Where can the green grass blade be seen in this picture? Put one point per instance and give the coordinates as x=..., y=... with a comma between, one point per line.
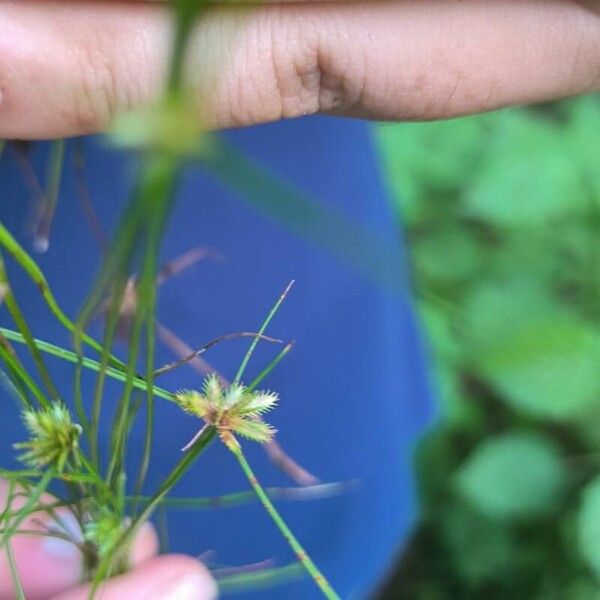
x=12, y=482
x=18, y=371
x=18, y=592
x=265, y=372
x=258, y=580
x=107, y=342
x=285, y=494
x=377, y=257
x=156, y=188
x=180, y=469
x=41, y=240
x=12, y=383
x=88, y=363
x=27, y=508
x=35, y=274
x=21, y=324
x=186, y=13
x=272, y=313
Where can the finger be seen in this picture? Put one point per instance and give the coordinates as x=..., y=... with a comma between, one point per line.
x=48, y=565
x=171, y=577
x=68, y=67
x=45, y=564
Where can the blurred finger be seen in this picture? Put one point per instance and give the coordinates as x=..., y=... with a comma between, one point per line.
x=170, y=577
x=45, y=564
x=49, y=564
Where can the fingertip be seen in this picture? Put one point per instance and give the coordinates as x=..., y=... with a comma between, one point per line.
x=145, y=545
x=170, y=577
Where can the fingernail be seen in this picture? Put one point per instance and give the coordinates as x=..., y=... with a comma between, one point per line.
x=190, y=587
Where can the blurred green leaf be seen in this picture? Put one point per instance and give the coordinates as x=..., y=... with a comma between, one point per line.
x=581, y=589
x=588, y=526
x=502, y=214
x=547, y=368
x=513, y=476
x=423, y=161
x=534, y=178
x=481, y=549
x=448, y=254
x=497, y=310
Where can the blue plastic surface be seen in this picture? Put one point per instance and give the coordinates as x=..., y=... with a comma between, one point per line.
x=354, y=392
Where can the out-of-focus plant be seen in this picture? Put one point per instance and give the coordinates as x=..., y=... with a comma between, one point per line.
x=502, y=217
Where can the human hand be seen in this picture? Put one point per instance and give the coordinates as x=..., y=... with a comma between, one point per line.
x=51, y=568
x=67, y=67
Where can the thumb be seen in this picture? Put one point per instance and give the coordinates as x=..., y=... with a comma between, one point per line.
x=46, y=564
x=170, y=577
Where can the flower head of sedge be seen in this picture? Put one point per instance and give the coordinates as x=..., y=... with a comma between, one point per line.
x=52, y=437
x=230, y=410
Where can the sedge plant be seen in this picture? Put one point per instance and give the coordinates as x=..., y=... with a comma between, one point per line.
x=63, y=452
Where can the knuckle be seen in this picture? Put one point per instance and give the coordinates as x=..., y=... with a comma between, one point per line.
x=287, y=64
x=320, y=73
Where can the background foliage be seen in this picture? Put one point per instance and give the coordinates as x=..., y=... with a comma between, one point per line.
x=502, y=214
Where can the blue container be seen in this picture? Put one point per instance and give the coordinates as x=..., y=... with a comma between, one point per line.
x=353, y=392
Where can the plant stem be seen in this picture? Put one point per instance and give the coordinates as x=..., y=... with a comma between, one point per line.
x=292, y=494
x=19, y=319
x=302, y=555
x=181, y=468
x=258, y=379
x=35, y=274
x=27, y=508
x=14, y=573
x=48, y=209
x=272, y=313
x=89, y=363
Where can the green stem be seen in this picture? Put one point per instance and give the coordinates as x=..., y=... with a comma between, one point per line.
x=19, y=594
x=258, y=379
x=18, y=371
x=55, y=169
x=180, y=469
x=17, y=315
x=26, y=510
x=302, y=555
x=291, y=494
x=89, y=363
x=35, y=274
x=272, y=313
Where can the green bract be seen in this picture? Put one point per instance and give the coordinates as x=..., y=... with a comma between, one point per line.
x=231, y=410
x=53, y=437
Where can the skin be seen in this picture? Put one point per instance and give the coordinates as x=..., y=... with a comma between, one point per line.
x=53, y=571
x=68, y=67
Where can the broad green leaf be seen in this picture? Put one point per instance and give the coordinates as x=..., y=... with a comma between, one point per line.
x=513, y=476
